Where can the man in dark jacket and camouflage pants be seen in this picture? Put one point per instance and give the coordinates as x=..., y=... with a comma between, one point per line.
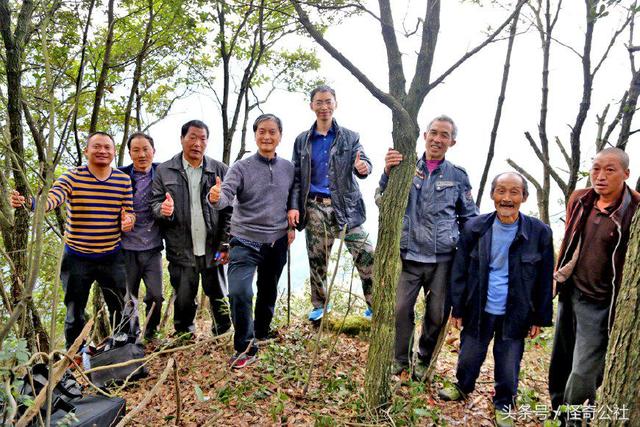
x=196, y=235
x=326, y=196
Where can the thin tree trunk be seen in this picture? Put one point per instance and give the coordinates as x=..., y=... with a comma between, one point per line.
x=16, y=237
x=79, y=79
x=498, y=115
x=621, y=384
x=136, y=82
x=629, y=110
x=387, y=266
x=104, y=71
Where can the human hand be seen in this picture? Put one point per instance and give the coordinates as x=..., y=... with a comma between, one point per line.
x=16, y=199
x=214, y=193
x=456, y=322
x=534, y=331
x=360, y=165
x=291, y=236
x=166, y=209
x=293, y=217
x=391, y=159
x=127, y=220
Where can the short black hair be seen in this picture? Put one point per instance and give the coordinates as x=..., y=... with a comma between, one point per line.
x=193, y=123
x=92, y=134
x=139, y=135
x=265, y=117
x=525, y=185
x=322, y=88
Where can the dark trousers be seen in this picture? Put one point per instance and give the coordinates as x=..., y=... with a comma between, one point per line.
x=77, y=274
x=579, y=348
x=507, y=354
x=434, y=279
x=147, y=266
x=184, y=280
x=243, y=263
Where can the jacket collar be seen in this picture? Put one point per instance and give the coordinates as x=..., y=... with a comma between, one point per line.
x=176, y=163
x=263, y=159
x=590, y=196
x=421, y=164
x=485, y=222
x=334, y=126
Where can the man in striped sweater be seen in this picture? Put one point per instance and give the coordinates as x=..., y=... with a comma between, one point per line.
x=99, y=208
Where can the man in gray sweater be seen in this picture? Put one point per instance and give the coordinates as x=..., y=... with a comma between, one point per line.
x=259, y=188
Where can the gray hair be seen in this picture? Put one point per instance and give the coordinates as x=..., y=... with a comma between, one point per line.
x=445, y=118
x=622, y=155
x=525, y=185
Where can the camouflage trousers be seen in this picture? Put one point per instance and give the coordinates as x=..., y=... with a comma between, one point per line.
x=321, y=231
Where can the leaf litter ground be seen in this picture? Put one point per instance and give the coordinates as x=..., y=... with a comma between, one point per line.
x=271, y=391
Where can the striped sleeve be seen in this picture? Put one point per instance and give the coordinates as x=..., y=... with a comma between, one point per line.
x=59, y=192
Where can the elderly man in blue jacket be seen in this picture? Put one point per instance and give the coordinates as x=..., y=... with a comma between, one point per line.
x=501, y=290
x=440, y=202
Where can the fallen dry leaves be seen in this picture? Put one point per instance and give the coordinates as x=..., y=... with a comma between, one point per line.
x=269, y=392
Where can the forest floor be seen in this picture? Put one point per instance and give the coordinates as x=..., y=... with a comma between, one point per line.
x=272, y=390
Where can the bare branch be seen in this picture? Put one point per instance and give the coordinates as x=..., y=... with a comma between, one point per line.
x=552, y=172
x=380, y=95
x=630, y=17
x=475, y=50
x=564, y=152
x=526, y=174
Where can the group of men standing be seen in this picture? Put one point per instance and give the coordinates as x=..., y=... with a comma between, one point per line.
x=494, y=272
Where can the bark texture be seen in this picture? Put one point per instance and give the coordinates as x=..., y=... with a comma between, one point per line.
x=621, y=384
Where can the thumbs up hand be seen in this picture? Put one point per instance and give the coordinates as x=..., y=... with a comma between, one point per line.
x=214, y=193
x=360, y=165
x=166, y=209
x=127, y=220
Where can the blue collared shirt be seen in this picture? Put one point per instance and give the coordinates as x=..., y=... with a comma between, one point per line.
x=320, y=153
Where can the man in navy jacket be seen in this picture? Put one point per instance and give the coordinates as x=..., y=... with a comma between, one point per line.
x=502, y=290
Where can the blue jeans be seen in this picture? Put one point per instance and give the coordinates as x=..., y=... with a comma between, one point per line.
x=506, y=352
x=243, y=263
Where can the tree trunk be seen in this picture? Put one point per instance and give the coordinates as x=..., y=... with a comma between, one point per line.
x=621, y=384
x=137, y=74
x=16, y=238
x=629, y=110
x=106, y=61
x=387, y=266
x=498, y=115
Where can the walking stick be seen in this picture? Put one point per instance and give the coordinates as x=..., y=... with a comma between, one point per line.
x=288, y=286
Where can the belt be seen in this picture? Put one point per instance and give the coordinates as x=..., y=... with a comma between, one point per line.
x=320, y=199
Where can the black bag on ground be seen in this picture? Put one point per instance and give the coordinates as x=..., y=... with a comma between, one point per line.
x=69, y=407
x=115, y=355
x=89, y=411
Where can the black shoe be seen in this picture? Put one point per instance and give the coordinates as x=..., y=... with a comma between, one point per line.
x=220, y=329
x=271, y=336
